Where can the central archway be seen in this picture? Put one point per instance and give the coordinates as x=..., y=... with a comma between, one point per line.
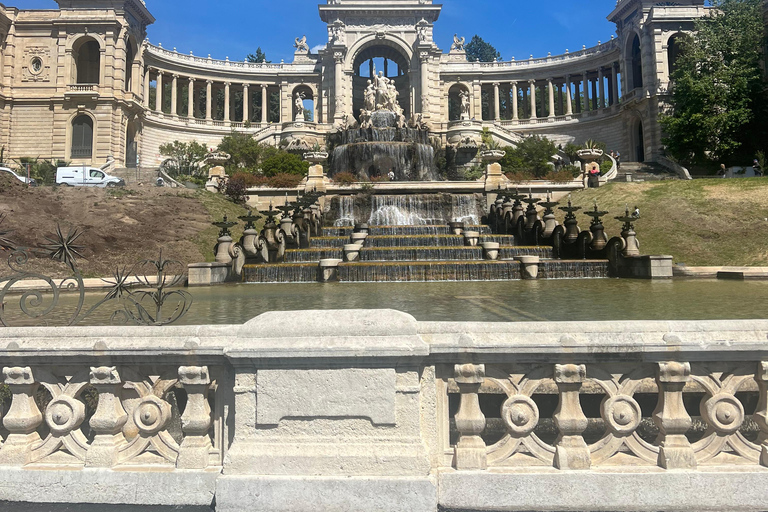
x=373, y=57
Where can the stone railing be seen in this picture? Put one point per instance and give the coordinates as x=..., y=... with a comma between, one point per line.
x=372, y=410
x=566, y=58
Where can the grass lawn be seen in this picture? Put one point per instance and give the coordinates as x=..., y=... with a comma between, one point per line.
x=708, y=222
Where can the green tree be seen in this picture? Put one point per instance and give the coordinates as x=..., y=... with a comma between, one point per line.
x=246, y=153
x=258, y=58
x=283, y=162
x=184, y=158
x=718, y=99
x=533, y=155
x=480, y=51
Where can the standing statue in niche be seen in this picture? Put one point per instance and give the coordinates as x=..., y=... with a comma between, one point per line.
x=464, y=98
x=300, y=110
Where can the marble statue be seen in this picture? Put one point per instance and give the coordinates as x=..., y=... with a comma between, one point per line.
x=370, y=97
x=465, y=104
x=299, y=103
x=301, y=45
x=458, y=43
x=339, y=33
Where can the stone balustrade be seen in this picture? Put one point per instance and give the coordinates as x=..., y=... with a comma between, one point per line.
x=372, y=410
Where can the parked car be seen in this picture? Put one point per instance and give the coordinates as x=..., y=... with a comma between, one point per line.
x=30, y=181
x=85, y=176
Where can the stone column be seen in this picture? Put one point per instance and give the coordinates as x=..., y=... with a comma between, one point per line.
x=195, y=448
x=22, y=418
x=174, y=95
x=533, y=99
x=496, y=101
x=551, y=91
x=227, y=117
x=208, y=99
x=159, y=92
x=264, y=103
x=514, y=101
x=601, y=80
x=585, y=92
x=470, y=450
x=146, y=87
x=571, y=451
x=568, y=100
x=338, y=58
x=109, y=419
x=191, y=98
x=246, y=104
x=615, y=82
x=675, y=451
x=424, y=83
x=595, y=104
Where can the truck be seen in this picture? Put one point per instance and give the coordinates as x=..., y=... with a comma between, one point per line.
x=85, y=176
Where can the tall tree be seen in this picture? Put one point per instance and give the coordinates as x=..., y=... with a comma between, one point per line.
x=258, y=58
x=717, y=106
x=480, y=51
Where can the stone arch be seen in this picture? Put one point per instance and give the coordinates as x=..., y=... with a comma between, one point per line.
x=81, y=129
x=451, y=92
x=389, y=47
x=309, y=103
x=633, y=54
x=86, y=60
x=674, y=47
x=132, y=64
x=636, y=138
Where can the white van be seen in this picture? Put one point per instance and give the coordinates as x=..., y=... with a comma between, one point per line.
x=85, y=176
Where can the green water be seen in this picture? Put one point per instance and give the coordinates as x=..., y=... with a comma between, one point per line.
x=513, y=301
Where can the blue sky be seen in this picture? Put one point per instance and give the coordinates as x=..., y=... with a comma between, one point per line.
x=235, y=28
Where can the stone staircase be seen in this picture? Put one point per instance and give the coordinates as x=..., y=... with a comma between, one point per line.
x=643, y=171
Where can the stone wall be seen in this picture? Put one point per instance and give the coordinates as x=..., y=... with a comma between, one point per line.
x=372, y=410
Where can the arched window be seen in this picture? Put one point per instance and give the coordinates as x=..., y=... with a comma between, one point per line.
x=88, y=62
x=82, y=137
x=457, y=96
x=129, y=58
x=674, y=48
x=637, y=64
x=303, y=97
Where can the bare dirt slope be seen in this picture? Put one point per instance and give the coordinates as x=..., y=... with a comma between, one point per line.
x=120, y=226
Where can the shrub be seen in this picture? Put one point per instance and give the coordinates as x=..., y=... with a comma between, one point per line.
x=606, y=166
x=249, y=179
x=562, y=176
x=284, y=163
x=519, y=176
x=284, y=180
x=573, y=170
x=236, y=190
x=345, y=179
x=184, y=158
x=380, y=179
x=532, y=155
x=474, y=173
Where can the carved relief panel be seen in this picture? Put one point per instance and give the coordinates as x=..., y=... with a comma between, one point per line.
x=36, y=64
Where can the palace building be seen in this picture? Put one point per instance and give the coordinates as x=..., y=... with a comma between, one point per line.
x=82, y=83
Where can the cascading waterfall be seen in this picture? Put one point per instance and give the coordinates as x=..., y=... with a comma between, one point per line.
x=346, y=212
x=465, y=210
x=404, y=211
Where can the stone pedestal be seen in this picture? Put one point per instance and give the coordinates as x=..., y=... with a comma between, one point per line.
x=471, y=238
x=491, y=250
x=328, y=271
x=529, y=266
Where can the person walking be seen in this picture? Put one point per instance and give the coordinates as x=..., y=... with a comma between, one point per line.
x=757, y=168
x=723, y=172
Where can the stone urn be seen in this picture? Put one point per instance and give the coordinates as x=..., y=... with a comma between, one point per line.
x=359, y=238
x=529, y=266
x=329, y=270
x=351, y=252
x=286, y=224
x=491, y=250
x=457, y=228
x=589, y=155
x=492, y=155
x=316, y=157
x=471, y=238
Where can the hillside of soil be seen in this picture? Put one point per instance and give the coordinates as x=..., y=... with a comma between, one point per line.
x=120, y=226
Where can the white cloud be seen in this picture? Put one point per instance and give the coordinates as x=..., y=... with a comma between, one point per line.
x=317, y=48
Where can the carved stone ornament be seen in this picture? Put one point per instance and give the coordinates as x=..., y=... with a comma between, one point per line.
x=64, y=414
x=723, y=412
x=36, y=64
x=520, y=415
x=622, y=415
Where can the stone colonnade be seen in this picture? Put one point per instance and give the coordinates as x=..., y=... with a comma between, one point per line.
x=553, y=97
x=198, y=88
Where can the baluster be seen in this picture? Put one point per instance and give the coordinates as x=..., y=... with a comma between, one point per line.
x=196, y=421
x=761, y=414
x=470, y=452
x=672, y=418
x=109, y=419
x=571, y=451
x=22, y=418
